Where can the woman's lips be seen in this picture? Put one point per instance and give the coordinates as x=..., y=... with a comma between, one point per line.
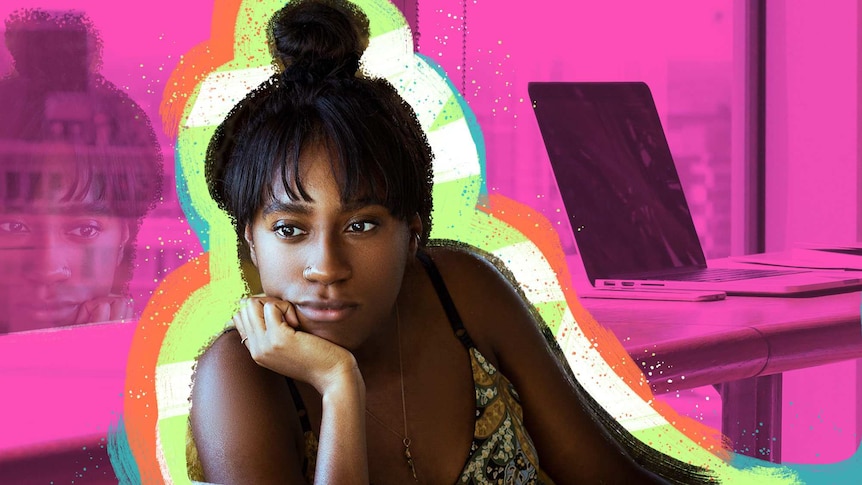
x=325, y=311
x=56, y=313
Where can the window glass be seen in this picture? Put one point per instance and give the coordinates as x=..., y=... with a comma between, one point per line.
x=682, y=50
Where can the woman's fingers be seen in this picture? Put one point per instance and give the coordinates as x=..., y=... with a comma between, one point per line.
x=291, y=317
x=239, y=324
x=286, y=311
x=105, y=309
x=244, y=321
x=273, y=315
x=257, y=315
x=251, y=311
x=122, y=309
x=119, y=307
x=101, y=311
x=269, y=328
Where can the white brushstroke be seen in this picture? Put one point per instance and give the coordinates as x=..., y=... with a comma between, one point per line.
x=220, y=91
x=455, y=154
x=389, y=54
x=611, y=391
x=173, y=388
x=532, y=271
x=162, y=459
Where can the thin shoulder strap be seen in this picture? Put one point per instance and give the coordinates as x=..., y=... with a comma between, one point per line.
x=300, y=405
x=303, y=418
x=445, y=299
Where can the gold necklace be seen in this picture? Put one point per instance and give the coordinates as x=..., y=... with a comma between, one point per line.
x=406, y=440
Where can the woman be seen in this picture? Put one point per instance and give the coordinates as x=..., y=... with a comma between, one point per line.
x=372, y=357
x=79, y=168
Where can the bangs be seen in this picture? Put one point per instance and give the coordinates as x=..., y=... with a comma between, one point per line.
x=376, y=149
x=358, y=176
x=63, y=173
x=366, y=165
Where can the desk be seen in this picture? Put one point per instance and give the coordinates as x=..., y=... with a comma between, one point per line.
x=741, y=345
x=64, y=391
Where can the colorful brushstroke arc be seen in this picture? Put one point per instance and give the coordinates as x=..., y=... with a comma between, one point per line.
x=140, y=406
x=842, y=473
x=122, y=459
x=193, y=304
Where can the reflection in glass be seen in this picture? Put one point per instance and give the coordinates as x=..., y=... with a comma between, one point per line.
x=79, y=168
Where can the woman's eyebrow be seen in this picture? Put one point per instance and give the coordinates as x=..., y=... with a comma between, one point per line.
x=354, y=205
x=88, y=208
x=75, y=209
x=278, y=206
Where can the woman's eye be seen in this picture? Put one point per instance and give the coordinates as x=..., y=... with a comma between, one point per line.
x=14, y=227
x=288, y=231
x=85, y=231
x=361, y=226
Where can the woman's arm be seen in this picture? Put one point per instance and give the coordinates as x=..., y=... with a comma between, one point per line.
x=243, y=419
x=572, y=446
x=342, y=455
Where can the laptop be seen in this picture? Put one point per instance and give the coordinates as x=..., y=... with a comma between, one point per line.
x=625, y=202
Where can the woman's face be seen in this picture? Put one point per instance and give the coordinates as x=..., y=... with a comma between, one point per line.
x=340, y=265
x=55, y=255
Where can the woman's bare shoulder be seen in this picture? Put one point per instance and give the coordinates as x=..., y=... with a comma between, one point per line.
x=225, y=371
x=226, y=355
x=240, y=412
x=464, y=263
x=483, y=291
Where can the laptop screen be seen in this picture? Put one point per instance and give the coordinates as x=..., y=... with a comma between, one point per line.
x=617, y=178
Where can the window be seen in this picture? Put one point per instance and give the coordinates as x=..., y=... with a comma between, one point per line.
x=683, y=50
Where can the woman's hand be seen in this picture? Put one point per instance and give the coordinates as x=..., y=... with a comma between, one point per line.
x=269, y=328
x=105, y=309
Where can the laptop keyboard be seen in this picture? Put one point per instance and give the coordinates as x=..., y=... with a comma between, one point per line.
x=713, y=275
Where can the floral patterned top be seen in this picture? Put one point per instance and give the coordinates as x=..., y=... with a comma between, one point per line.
x=502, y=452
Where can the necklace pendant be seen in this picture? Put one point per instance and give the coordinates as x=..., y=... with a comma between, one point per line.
x=409, y=458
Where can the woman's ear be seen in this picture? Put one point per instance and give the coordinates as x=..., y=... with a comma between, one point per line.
x=250, y=241
x=414, y=225
x=124, y=239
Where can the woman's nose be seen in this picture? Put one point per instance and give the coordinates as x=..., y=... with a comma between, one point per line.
x=48, y=262
x=328, y=263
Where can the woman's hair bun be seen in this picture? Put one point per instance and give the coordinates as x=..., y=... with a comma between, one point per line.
x=56, y=49
x=318, y=39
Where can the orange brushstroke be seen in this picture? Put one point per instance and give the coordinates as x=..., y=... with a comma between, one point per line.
x=197, y=63
x=139, y=405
